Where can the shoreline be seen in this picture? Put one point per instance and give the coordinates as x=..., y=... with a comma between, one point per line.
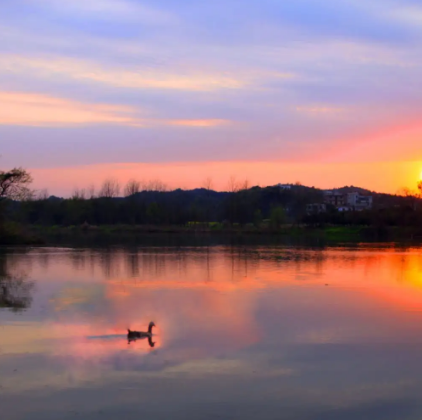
x=327, y=231
x=43, y=235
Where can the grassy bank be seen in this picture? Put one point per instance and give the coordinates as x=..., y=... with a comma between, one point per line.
x=337, y=233
x=13, y=234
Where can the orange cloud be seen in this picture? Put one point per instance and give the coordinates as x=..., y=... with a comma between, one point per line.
x=33, y=109
x=319, y=110
x=198, y=123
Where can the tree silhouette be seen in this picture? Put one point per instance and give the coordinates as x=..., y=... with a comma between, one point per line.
x=78, y=194
x=207, y=184
x=14, y=184
x=277, y=217
x=109, y=189
x=132, y=187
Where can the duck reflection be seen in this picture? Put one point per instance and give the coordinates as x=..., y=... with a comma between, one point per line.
x=137, y=335
x=110, y=338
x=150, y=342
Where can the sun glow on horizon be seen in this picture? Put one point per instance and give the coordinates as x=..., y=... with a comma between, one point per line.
x=63, y=181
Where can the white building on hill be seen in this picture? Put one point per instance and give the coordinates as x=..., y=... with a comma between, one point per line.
x=348, y=201
x=359, y=202
x=284, y=186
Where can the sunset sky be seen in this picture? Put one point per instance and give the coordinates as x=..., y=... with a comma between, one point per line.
x=324, y=92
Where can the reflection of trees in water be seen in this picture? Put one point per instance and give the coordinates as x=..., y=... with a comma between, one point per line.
x=15, y=290
x=133, y=267
x=209, y=263
x=110, y=261
x=240, y=261
x=135, y=263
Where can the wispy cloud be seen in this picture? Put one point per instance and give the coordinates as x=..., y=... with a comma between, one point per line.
x=31, y=109
x=112, y=9
x=410, y=14
x=288, y=80
x=42, y=110
x=118, y=77
x=198, y=123
x=320, y=110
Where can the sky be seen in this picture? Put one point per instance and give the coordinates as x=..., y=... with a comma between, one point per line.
x=322, y=92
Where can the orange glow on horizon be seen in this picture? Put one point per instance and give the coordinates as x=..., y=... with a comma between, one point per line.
x=396, y=175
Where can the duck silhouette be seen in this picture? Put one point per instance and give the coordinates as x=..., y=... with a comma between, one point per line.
x=135, y=335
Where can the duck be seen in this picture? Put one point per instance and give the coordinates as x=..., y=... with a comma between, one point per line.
x=133, y=335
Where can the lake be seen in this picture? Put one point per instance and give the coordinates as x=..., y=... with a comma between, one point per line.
x=242, y=332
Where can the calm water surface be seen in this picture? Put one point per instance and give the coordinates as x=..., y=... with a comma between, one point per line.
x=258, y=332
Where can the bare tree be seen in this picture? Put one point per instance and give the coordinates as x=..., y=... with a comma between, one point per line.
x=132, y=187
x=207, y=183
x=156, y=185
x=410, y=195
x=14, y=184
x=91, y=191
x=27, y=194
x=42, y=194
x=161, y=186
x=109, y=189
x=233, y=184
x=79, y=194
x=405, y=192
x=244, y=185
x=420, y=188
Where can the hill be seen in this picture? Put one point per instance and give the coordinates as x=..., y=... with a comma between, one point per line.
x=179, y=207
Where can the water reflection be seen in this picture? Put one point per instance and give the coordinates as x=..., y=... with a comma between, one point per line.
x=242, y=332
x=151, y=343
x=121, y=337
x=15, y=289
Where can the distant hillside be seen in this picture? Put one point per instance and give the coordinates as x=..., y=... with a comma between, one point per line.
x=381, y=200
x=287, y=204
x=353, y=189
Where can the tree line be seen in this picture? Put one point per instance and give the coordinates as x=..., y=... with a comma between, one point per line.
x=177, y=207
x=153, y=203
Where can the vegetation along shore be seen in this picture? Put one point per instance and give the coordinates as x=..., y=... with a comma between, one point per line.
x=348, y=213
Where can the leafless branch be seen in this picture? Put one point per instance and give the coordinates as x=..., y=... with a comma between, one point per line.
x=109, y=189
x=132, y=187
